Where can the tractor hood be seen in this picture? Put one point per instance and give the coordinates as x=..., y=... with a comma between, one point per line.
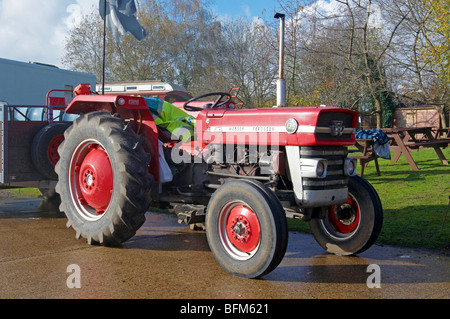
x=302, y=126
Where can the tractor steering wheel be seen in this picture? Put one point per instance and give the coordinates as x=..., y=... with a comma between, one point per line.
x=217, y=103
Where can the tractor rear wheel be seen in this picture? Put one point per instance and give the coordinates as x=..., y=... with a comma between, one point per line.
x=104, y=182
x=354, y=226
x=246, y=228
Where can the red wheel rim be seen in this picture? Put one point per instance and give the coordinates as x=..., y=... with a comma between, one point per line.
x=91, y=180
x=239, y=230
x=243, y=228
x=345, y=218
x=53, y=155
x=96, y=179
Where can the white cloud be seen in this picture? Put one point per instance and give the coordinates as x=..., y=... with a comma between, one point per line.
x=78, y=9
x=35, y=31
x=324, y=8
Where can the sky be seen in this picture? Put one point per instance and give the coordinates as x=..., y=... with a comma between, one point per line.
x=244, y=8
x=35, y=30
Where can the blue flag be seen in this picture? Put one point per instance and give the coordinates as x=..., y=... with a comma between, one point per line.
x=121, y=18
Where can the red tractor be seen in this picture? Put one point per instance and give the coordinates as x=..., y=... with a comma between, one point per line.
x=245, y=172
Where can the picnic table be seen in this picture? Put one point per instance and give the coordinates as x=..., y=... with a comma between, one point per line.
x=365, y=147
x=406, y=140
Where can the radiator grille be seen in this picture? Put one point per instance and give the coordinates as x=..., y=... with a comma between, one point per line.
x=335, y=177
x=330, y=123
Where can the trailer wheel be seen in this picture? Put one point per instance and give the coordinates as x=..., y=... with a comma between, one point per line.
x=354, y=226
x=104, y=182
x=246, y=228
x=44, y=148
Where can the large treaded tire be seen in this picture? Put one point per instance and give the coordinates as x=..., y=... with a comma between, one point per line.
x=129, y=182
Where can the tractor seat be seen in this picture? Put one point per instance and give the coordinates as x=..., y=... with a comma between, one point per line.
x=165, y=136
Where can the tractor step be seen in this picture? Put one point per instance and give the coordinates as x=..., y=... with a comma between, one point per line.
x=192, y=215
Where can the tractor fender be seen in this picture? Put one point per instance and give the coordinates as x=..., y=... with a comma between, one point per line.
x=82, y=104
x=128, y=107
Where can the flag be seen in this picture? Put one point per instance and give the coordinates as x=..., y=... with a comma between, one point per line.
x=121, y=18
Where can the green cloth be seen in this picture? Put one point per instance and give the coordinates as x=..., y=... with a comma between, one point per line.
x=180, y=124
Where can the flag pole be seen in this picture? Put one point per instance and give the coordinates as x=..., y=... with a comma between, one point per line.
x=104, y=48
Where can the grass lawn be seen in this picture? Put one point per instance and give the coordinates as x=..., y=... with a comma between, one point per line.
x=414, y=202
x=25, y=192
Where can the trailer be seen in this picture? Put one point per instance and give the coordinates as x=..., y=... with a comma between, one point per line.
x=32, y=121
x=29, y=138
x=27, y=83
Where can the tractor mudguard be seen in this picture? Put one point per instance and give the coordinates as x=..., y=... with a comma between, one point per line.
x=128, y=107
x=82, y=104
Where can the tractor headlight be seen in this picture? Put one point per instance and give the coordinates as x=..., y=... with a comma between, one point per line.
x=350, y=166
x=291, y=126
x=313, y=168
x=321, y=168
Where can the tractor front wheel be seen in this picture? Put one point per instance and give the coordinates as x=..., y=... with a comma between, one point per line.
x=246, y=228
x=103, y=179
x=352, y=227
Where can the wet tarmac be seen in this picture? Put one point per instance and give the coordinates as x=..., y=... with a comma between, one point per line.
x=41, y=259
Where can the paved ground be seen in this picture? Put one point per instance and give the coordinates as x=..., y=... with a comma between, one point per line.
x=167, y=260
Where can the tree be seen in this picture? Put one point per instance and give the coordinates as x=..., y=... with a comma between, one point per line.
x=190, y=33
x=146, y=59
x=435, y=49
x=83, y=48
x=175, y=49
x=186, y=44
x=338, y=54
x=247, y=61
x=129, y=60
x=437, y=36
x=422, y=55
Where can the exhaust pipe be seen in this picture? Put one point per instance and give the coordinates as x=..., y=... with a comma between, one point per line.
x=281, y=82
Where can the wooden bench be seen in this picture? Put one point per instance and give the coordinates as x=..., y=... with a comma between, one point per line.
x=365, y=147
x=439, y=143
